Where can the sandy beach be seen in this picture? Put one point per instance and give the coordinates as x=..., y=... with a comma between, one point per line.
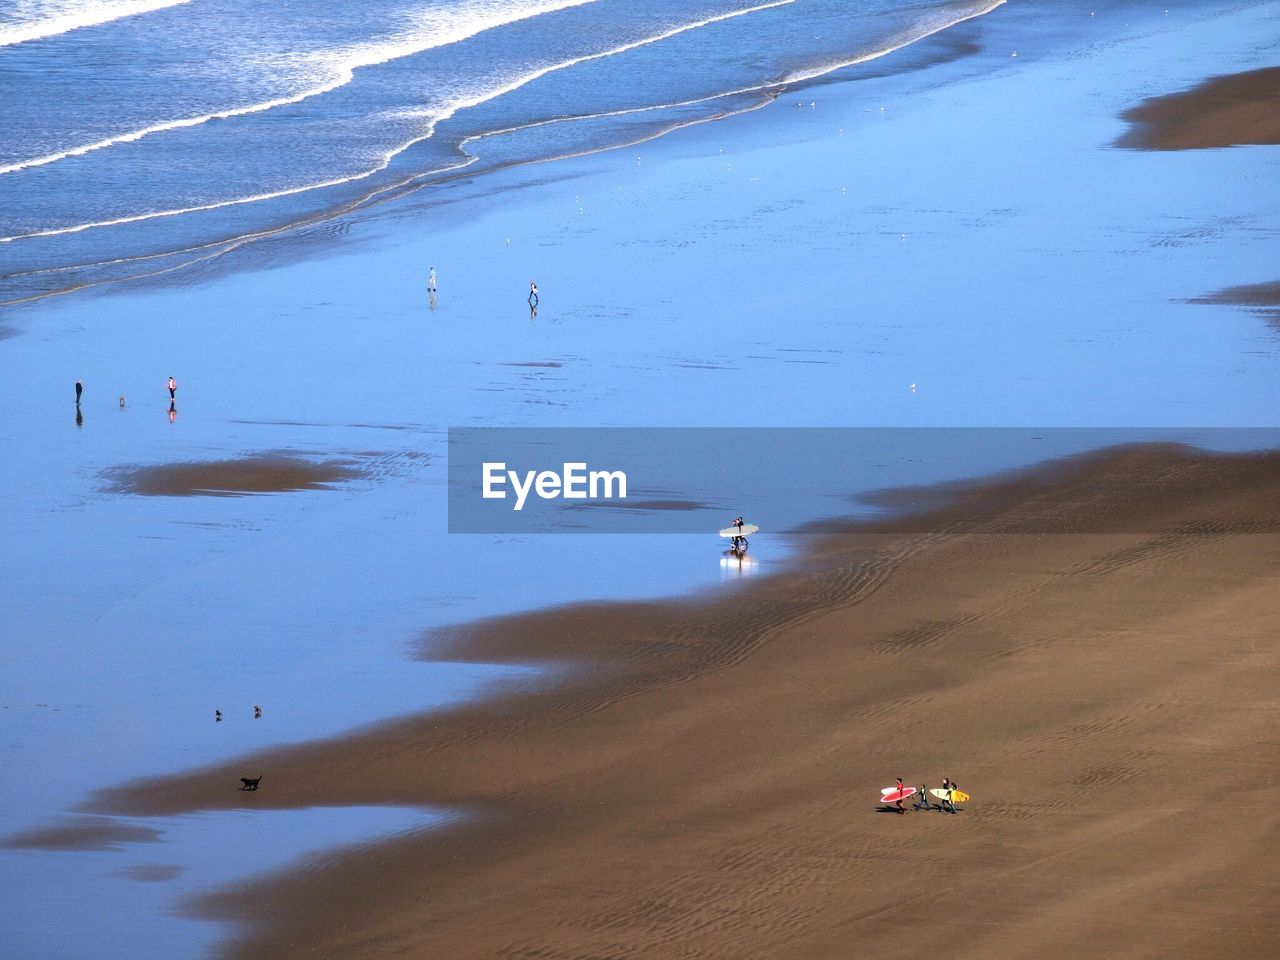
x=1042, y=218
x=705, y=783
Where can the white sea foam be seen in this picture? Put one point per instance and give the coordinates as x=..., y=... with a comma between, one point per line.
x=336, y=67
x=767, y=89
x=915, y=37
x=216, y=249
x=49, y=19
x=431, y=119
x=515, y=84
x=763, y=88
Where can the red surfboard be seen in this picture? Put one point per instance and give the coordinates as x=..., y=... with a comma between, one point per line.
x=893, y=794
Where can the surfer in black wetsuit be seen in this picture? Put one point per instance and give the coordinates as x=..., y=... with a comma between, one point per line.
x=924, y=799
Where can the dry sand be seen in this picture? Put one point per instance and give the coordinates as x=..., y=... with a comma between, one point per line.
x=1241, y=108
x=704, y=783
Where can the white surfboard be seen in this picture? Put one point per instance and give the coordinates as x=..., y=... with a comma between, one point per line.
x=746, y=530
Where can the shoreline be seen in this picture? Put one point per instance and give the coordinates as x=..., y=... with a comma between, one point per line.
x=384, y=194
x=1219, y=111
x=690, y=727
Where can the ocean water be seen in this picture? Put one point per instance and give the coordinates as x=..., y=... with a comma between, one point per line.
x=139, y=136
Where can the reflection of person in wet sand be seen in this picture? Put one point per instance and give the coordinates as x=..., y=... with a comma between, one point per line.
x=173, y=411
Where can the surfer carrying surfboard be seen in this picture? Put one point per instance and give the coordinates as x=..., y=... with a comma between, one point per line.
x=737, y=533
x=949, y=801
x=898, y=804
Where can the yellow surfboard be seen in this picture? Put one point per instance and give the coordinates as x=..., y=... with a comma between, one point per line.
x=957, y=796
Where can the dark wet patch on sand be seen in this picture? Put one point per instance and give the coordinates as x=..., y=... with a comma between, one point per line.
x=82, y=833
x=1233, y=110
x=1259, y=298
x=151, y=872
x=264, y=473
x=550, y=364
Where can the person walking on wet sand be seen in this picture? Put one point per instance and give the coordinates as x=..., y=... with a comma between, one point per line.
x=431, y=281
x=173, y=389
x=924, y=799
x=946, y=803
x=79, y=390
x=533, y=294
x=898, y=803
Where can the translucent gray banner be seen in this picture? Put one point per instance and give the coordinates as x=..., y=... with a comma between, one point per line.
x=699, y=480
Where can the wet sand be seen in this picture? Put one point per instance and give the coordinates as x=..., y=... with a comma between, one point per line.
x=81, y=833
x=704, y=783
x=1261, y=298
x=1242, y=108
x=266, y=473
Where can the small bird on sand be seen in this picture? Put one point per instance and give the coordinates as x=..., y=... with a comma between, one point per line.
x=257, y=712
x=217, y=716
